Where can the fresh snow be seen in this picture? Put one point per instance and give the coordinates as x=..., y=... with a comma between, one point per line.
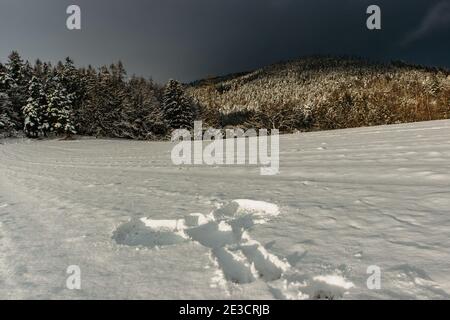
x=335, y=280
x=141, y=228
x=258, y=207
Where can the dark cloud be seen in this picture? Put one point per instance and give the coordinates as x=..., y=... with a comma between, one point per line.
x=437, y=18
x=190, y=39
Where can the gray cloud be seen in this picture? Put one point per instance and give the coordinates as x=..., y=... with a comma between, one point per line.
x=192, y=39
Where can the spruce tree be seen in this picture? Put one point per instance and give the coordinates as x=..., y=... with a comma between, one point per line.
x=59, y=111
x=106, y=100
x=15, y=81
x=177, y=108
x=6, y=111
x=7, y=127
x=86, y=114
x=35, y=111
x=141, y=115
x=74, y=83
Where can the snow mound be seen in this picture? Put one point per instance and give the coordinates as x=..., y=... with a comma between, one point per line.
x=269, y=266
x=239, y=258
x=295, y=286
x=234, y=266
x=148, y=233
x=242, y=207
x=214, y=235
x=335, y=280
x=164, y=225
x=195, y=219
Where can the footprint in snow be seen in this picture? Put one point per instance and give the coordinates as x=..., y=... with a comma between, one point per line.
x=239, y=258
x=223, y=231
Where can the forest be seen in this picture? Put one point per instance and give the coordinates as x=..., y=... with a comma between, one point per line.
x=42, y=100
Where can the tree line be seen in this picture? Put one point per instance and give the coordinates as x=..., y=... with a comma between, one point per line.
x=312, y=93
x=43, y=100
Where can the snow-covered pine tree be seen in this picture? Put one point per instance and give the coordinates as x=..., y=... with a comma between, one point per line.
x=141, y=115
x=105, y=100
x=15, y=81
x=2, y=74
x=72, y=80
x=7, y=127
x=177, y=109
x=59, y=110
x=35, y=111
x=86, y=114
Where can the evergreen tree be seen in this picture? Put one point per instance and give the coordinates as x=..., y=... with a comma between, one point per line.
x=141, y=115
x=177, y=108
x=105, y=100
x=35, y=111
x=59, y=110
x=15, y=81
x=15, y=66
x=74, y=83
x=6, y=125
x=86, y=115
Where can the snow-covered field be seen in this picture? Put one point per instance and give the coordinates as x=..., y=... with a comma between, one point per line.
x=141, y=228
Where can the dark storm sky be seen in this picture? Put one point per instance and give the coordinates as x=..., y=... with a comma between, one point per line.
x=190, y=39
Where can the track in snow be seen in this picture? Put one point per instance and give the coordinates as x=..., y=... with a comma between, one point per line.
x=348, y=199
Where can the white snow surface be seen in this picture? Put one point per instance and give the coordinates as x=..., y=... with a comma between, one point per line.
x=140, y=227
x=258, y=207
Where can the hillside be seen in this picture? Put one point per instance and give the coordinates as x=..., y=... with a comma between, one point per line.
x=325, y=93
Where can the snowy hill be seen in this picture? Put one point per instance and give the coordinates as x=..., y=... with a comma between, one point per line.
x=325, y=93
x=139, y=227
